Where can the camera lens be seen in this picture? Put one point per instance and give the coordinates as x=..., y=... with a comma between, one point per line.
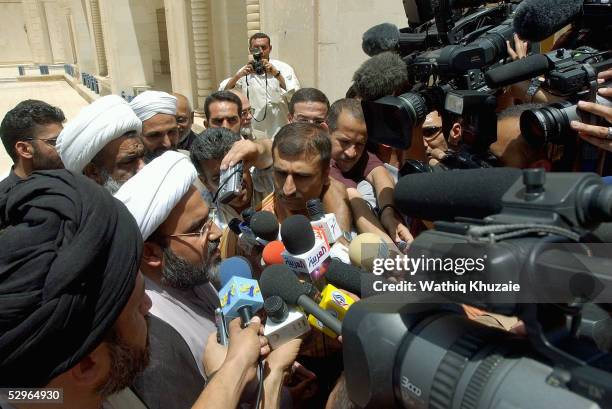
x=550, y=124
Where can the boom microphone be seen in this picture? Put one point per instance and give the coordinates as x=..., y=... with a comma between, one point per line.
x=519, y=70
x=474, y=193
x=279, y=280
x=383, y=74
x=536, y=20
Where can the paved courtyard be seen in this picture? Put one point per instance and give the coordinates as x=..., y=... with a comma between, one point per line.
x=57, y=93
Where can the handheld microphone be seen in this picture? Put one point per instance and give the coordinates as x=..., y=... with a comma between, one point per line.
x=536, y=20
x=279, y=280
x=305, y=254
x=236, y=266
x=336, y=302
x=473, y=193
x=327, y=222
x=283, y=323
x=384, y=74
x=519, y=70
x=272, y=253
x=352, y=279
x=264, y=226
x=365, y=248
x=240, y=296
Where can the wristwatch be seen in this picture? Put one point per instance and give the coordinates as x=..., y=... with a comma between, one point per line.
x=277, y=74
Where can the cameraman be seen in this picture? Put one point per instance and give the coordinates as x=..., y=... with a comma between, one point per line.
x=268, y=84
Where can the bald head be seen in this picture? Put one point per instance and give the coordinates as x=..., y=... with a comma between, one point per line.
x=184, y=115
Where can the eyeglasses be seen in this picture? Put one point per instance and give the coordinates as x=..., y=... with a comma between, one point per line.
x=429, y=131
x=204, y=230
x=245, y=112
x=315, y=121
x=51, y=141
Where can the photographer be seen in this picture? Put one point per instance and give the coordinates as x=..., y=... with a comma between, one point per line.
x=268, y=84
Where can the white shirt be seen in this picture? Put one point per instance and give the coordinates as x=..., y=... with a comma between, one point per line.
x=274, y=97
x=190, y=312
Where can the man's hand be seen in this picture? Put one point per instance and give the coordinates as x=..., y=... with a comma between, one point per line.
x=520, y=49
x=283, y=357
x=251, y=153
x=244, y=71
x=246, y=345
x=599, y=136
x=271, y=69
x=214, y=355
x=394, y=226
x=436, y=155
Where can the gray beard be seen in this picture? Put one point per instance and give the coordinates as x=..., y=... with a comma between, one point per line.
x=110, y=184
x=247, y=133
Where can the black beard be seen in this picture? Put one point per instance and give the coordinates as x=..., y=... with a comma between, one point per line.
x=179, y=273
x=127, y=361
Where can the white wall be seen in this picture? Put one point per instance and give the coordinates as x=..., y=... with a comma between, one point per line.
x=321, y=39
x=14, y=45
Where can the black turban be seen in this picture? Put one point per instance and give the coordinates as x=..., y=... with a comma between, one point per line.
x=69, y=257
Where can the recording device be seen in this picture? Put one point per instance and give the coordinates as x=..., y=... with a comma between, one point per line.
x=264, y=226
x=429, y=354
x=279, y=280
x=306, y=254
x=283, y=323
x=240, y=296
x=257, y=62
x=222, y=331
x=325, y=221
x=230, y=183
x=336, y=302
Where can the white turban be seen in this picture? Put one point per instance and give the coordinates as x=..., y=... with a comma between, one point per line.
x=150, y=103
x=152, y=193
x=99, y=123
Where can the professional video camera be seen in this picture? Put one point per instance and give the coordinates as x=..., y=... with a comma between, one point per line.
x=418, y=350
x=256, y=62
x=450, y=78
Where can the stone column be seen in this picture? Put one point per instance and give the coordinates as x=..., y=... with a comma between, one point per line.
x=180, y=46
x=253, y=17
x=98, y=33
x=200, y=21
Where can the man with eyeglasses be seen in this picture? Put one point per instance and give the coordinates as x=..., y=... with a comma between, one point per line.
x=29, y=133
x=309, y=105
x=180, y=254
x=223, y=110
x=246, y=116
x=184, y=121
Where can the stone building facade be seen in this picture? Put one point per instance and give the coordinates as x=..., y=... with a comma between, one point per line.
x=190, y=46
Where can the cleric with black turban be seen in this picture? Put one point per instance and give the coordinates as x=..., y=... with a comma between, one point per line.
x=69, y=258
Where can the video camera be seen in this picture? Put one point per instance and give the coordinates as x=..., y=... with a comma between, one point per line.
x=419, y=350
x=448, y=79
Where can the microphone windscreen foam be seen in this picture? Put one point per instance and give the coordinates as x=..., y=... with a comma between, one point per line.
x=344, y=276
x=365, y=248
x=265, y=225
x=380, y=38
x=236, y=266
x=536, y=20
x=384, y=74
x=279, y=280
x=272, y=253
x=443, y=196
x=297, y=234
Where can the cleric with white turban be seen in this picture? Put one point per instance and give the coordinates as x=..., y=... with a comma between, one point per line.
x=154, y=191
x=150, y=103
x=99, y=123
